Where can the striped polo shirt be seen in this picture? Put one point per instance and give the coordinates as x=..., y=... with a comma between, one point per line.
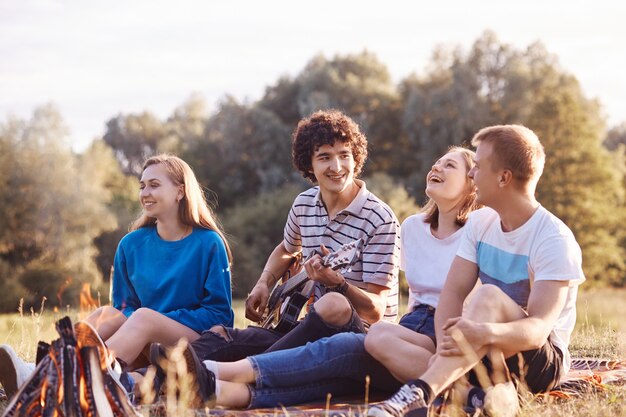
x=367, y=218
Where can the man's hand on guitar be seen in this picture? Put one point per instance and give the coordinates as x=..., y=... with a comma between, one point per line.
x=256, y=302
x=316, y=270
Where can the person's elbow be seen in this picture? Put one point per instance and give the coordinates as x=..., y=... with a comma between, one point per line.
x=376, y=311
x=541, y=333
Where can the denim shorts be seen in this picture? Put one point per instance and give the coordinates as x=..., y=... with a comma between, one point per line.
x=421, y=320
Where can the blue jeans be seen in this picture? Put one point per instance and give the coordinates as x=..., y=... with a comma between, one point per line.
x=336, y=365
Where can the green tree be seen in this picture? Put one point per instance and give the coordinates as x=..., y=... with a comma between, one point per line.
x=117, y=193
x=580, y=183
x=186, y=126
x=615, y=137
x=134, y=138
x=255, y=227
x=52, y=207
x=392, y=193
x=357, y=84
x=245, y=150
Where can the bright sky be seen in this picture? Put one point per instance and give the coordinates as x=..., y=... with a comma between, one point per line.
x=97, y=59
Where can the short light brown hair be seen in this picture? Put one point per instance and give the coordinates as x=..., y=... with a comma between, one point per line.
x=515, y=148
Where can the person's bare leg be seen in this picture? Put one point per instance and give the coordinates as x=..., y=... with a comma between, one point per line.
x=106, y=320
x=232, y=394
x=146, y=326
x=403, y=352
x=489, y=305
x=239, y=371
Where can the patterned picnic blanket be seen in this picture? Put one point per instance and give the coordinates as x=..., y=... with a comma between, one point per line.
x=588, y=374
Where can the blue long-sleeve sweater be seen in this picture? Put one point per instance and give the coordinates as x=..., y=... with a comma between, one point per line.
x=186, y=280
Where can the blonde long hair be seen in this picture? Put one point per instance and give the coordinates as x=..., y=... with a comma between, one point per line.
x=193, y=209
x=431, y=211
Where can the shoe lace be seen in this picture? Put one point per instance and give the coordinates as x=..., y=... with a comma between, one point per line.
x=408, y=397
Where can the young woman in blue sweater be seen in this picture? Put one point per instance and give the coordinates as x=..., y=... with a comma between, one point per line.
x=171, y=276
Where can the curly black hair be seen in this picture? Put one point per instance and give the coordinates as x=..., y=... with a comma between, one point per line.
x=325, y=127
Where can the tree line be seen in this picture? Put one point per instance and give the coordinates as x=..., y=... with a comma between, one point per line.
x=62, y=214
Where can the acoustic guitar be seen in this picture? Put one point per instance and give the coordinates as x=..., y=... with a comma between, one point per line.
x=288, y=298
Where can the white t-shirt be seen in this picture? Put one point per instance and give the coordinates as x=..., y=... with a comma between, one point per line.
x=543, y=248
x=425, y=260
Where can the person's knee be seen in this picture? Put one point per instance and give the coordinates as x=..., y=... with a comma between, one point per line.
x=143, y=314
x=334, y=309
x=486, y=303
x=375, y=339
x=105, y=311
x=101, y=313
x=220, y=331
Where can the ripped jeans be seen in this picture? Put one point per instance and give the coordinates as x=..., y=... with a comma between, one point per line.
x=241, y=343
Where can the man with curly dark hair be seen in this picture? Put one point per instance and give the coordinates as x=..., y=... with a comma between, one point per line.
x=324, y=128
x=329, y=149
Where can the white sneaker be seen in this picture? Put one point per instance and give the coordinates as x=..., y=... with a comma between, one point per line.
x=13, y=370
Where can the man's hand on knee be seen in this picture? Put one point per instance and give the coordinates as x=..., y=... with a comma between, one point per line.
x=462, y=336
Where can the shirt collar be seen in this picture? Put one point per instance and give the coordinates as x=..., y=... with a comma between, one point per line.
x=357, y=203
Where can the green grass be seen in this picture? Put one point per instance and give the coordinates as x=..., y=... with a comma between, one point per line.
x=600, y=332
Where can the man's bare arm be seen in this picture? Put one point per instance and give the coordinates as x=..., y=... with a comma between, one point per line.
x=461, y=279
x=277, y=264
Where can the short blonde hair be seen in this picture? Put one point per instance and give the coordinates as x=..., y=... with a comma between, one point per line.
x=516, y=148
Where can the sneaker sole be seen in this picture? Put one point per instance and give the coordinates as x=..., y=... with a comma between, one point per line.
x=193, y=367
x=377, y=412
x=158, y=357
x=8, y=374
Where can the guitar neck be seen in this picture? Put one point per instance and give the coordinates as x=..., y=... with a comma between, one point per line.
x=295, y=281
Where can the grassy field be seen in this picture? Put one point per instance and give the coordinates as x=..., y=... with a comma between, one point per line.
x=600, y=332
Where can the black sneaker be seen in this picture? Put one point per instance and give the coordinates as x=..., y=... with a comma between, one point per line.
x=408, y=401
x=204, y=380
x=475, y=401
x=158, y=358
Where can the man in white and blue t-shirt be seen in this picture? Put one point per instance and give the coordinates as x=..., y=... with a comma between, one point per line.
x=530, y=266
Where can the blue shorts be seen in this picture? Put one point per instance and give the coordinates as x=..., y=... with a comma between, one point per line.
x=421, y=320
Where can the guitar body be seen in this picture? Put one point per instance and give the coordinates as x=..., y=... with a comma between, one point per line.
x=287, y=299
x=289, y=316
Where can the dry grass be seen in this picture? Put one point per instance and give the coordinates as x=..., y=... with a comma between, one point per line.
x=600, y=332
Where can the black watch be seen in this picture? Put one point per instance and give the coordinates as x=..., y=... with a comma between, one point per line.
x=341, y=288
